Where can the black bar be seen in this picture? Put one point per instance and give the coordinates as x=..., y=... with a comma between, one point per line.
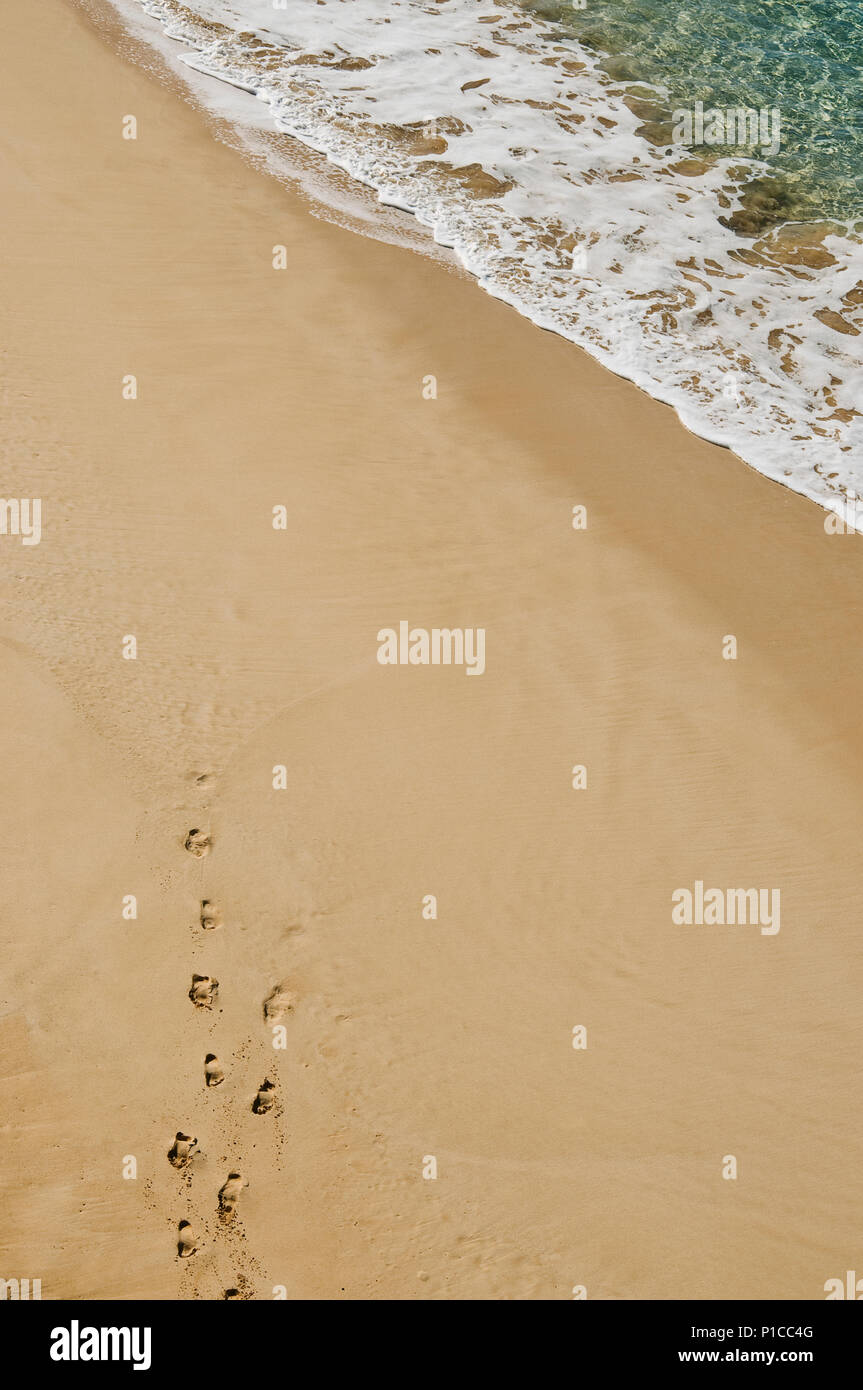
x=613, y=1337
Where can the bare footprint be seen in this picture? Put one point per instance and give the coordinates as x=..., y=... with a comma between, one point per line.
x=185, y=1240
x=213, y=1070
x=279, y=1002
x=204, y=991
x=229, y=1193
x=265, y=1099
x=211, y=918
x=182, y=1150
x=198, y=843
x=243, y=1290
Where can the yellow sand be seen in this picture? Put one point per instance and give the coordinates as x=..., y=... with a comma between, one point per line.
x=408, y=1038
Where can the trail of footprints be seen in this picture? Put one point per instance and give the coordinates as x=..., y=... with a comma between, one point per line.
x=204, y=993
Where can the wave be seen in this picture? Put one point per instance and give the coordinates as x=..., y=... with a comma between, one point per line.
x=560, y=187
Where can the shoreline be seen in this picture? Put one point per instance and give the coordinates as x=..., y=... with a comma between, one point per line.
x=256, y=649
x=328, y=190
x=792, y=243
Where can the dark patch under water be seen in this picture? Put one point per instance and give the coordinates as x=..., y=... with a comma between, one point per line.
x=804, y=57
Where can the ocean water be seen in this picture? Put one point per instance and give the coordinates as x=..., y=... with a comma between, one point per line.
x=545, y=142
x=804, y=56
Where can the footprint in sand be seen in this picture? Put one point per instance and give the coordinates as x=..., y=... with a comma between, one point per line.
x=213, y=1070
x=265, y=1099
x=279, y=1002
x=211, y=918
x=182, y=1150
x=198, y=843
x=244, y=1289
x=204, y=991
x=229, y=1193
x=185, y=1240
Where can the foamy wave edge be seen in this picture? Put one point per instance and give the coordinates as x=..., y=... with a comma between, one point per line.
x=826, y=471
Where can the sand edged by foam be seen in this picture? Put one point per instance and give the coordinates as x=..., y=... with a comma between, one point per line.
x=408, y=1037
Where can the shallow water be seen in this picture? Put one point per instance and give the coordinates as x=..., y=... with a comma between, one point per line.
x=805, y=58
x=538, y=141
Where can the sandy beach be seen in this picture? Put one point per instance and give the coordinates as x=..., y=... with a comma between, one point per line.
x=408, y=1037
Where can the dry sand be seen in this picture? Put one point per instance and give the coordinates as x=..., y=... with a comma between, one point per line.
x=407, y=1038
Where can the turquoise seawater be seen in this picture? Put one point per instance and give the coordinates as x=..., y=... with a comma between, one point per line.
x=803, y=56
x=567, y=193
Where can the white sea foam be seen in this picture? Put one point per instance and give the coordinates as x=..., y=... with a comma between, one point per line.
x=540, y=182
